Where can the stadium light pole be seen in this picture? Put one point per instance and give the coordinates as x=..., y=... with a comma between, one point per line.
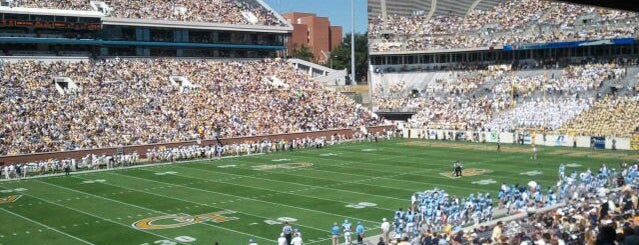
x=353, y=43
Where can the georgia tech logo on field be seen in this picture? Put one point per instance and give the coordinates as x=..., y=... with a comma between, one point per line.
x=468, y=172
x=179, y=220
x=9, y=199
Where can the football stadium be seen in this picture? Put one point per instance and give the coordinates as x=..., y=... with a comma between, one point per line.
x=192, y=122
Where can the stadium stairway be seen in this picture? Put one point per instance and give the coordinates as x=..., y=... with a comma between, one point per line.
x=487, y=4
x=534, y=28
x=624, y=85
x=325, y=75
x=458, y=8
x=413, y=80
x=431, y=12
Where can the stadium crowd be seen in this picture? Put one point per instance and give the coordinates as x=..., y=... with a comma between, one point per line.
x=453, y=113
x=130, y=102
x=509, y=23
x=217, y=11
x=500, y=100
x=609, y=116
x=539, y=113
x=583, y=208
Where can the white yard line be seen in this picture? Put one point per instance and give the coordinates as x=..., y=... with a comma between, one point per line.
x=156, y=194
x=92, y=215
x=384, y=177
x=247, y=198
x=416, y=168
x=48, y=227
x=291, y=193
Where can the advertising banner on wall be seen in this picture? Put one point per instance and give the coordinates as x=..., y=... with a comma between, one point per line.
x=560, y=140
x=527, y=138
x=600, y=142
x=634, y=142
x=494, y=136
x=572, y=44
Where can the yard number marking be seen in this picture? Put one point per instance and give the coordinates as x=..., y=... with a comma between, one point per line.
x=13, y=190
x=183, y=239
x=361, y=205
x=532, y=173
x=165, y=173
x=328, y=154
x=485, y=182
x=280, y=220
x=93, y=181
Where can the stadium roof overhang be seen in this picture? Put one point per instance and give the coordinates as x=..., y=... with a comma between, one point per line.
x=195, y=25
x=613, y=4
x=462, y=8
x=57, y=12
x=149, y=22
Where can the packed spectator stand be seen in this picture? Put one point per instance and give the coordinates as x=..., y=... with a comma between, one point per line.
x=609, y=116
x=509, y=23
x=247, y=12
x=567, y=100
x=120, y=102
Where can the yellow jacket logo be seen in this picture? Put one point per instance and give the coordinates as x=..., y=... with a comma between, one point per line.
x=9, y=199
x=179, y=220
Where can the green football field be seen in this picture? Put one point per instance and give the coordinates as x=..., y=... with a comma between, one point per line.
x=234, y=199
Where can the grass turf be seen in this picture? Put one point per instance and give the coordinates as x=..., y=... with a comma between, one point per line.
x=311, y=187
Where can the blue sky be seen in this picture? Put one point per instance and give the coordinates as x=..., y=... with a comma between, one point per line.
x=338, y=11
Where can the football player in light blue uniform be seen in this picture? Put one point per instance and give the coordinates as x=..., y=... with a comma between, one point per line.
x=562, y=171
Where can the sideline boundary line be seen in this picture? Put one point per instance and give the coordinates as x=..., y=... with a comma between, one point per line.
x=90, y=214
x=120, y=168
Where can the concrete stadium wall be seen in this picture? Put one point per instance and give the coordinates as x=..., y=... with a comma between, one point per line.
x=509, y=138
x=142, y=149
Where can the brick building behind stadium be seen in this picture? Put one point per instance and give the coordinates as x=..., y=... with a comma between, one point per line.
x=314, y=32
